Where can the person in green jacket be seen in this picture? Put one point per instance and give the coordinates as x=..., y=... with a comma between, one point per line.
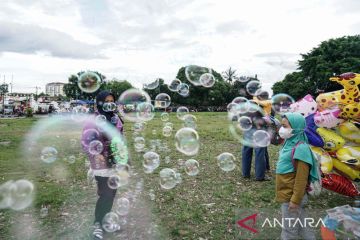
x=295, y=168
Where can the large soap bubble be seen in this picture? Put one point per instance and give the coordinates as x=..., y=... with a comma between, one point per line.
x=187, y=141
x=89, y=82
x=184, y=89
x=226, y=161
x=191, y=167
x=168, y=179
x=129, y=102
x=253, y=86
x=181, y=112
x=207, y=80
x=174, y=85
x=193, y=73
x=152, y=85
x=162, y=100
x=281, y=103
x=145, y=111
x=151, y=161
x=16, y=195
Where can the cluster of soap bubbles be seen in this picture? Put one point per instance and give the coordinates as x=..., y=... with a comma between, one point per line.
x=181, y=88
x=16, y=195
x=248, y=121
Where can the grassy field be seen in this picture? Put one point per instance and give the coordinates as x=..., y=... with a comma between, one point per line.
x=201, y=207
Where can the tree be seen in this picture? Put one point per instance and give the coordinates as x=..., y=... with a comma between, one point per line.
x=230, y=75
x=117, y=87
x=334, y=56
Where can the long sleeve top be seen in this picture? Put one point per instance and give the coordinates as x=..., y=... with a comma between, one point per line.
x=291, y=187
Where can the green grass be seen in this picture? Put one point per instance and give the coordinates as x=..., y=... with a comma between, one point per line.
x=202, y=206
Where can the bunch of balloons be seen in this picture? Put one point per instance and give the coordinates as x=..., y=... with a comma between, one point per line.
x=333, y=130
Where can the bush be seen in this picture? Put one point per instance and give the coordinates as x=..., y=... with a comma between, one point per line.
x=29, y=112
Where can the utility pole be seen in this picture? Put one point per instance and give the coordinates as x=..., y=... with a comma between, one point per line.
x=36, y=96
x=11, y=84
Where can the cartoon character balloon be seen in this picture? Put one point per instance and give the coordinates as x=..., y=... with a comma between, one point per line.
x=306, y=106
x=350, y=97
x=328, y=118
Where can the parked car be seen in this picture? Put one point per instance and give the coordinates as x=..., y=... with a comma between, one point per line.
x=8, y=109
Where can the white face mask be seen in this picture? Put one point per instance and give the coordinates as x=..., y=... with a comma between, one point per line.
x=285, y=133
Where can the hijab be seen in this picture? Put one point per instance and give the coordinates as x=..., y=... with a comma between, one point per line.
x=302, y=151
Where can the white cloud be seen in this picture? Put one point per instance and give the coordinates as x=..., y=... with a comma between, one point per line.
x=141, y=40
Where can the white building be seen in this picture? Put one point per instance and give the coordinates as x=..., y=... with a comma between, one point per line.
x=55, y=89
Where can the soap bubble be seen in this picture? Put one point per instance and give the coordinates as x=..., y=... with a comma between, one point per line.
x=139, y=126
x=253, y=86
x=245, y=123
x=174, y=85
x=16, y=195
x=109, y=107
x=207, y=80
x=129, y=102
x=139, y=143
x=22, y=194
x=6, y=190
x=164, y=116
x=262, y=138
x=191, y=167
x=231, y=107
x=114, y=119
x=110, y=222
x=240, y=100
x=100, y=120
x=167, y=131
x=49, y=154
x=178, y=178
x=89, y=82
x=187, y=141
x=152, y=85
x=118, y=179
x=145, y=111
x=226, y=161
x=162, y=100
x=122, y=206
x=169, y=124
x=281, y=103
x=189, y=121
x=193, y=73
x=151, y=161
x=181, y=112
x=71, y=159
x=167, y=178
x=262, y=95
x=184, y=89
x=243, y=79
x=96, y=147
x=167, y=159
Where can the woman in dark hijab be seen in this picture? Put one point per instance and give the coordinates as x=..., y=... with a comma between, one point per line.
x=102, y=163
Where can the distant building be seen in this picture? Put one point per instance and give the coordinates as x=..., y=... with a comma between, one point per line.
x=55, y=89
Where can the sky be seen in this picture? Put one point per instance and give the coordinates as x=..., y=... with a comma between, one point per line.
x=139, y=40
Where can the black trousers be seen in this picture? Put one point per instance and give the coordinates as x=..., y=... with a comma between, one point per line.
x=105, y=200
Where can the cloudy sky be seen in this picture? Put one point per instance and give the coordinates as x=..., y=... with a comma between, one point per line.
x=139, y=40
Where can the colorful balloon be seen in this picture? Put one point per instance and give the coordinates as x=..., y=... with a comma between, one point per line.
x=332, y=141
x=328, y=118
x=306, y=106
x=349, y=131
x=339, y=184
x=350, y=97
